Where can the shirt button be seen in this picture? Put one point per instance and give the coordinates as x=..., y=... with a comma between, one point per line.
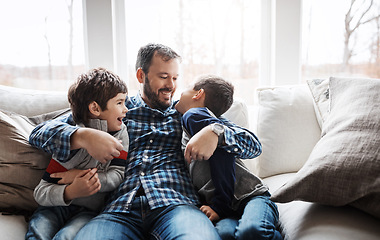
x=151, y=141
x=235, y=149
x=142, y=174
x=153, y=128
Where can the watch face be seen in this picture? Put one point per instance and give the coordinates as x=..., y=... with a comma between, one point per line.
x=218, y=128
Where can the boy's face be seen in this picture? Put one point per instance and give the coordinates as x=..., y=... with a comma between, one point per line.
x=186, y=100
x=160, y=83
x=115, y=112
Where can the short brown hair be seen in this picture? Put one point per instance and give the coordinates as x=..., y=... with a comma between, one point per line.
x=146, y=53
x=219, y=93
x=99, y=85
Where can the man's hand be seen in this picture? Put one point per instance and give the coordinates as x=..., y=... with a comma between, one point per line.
x=100, y=145
x=68, y=176
x=210, y=213
x=202, y=145
x=84, y=185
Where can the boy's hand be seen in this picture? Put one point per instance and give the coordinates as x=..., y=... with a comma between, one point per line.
x=84, y=185
x=202, y=145
x=68, y=176
x=210, y=213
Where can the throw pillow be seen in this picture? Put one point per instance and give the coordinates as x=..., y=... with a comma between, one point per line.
x=319, y=88
x=344, y=166
x=21, y=165
x=287, y=129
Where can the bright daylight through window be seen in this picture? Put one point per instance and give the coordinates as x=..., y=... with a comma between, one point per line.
x=213, y=37
x=341, y=38
x=42, y=44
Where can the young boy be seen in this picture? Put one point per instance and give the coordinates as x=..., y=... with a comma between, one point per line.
x=97, y=100
x=223, y=181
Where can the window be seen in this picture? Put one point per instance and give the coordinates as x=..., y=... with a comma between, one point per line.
x=213, y=37
x=324, y=51
x=37, y=48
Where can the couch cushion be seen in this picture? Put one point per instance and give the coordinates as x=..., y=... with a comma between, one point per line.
x=312, y=221
x=286, y=127
x=344, y=168
x=21, y=165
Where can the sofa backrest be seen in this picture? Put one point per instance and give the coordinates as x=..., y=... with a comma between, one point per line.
x=287, y=128
x=31, y=102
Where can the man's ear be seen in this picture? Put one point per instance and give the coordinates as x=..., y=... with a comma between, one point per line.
x=140, y=75
x=94, y=108
x=199, y=95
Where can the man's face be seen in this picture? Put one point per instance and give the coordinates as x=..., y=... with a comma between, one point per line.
x=160, y=83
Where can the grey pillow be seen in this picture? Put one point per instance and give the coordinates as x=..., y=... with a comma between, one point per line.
x=21, y=165
x=344, y=166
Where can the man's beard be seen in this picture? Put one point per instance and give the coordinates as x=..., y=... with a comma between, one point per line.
x=153, y=97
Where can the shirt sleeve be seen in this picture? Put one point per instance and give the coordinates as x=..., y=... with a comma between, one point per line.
x=240, y=141
x=53, y=136
x=50, y=194
x=112, y=178
x=237, y=140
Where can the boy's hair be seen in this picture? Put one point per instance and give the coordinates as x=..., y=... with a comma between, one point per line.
x=146, y=53
x=99, y=85
x=219, y=93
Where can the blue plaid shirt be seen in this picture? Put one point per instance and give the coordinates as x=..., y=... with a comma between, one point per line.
x=155, y=159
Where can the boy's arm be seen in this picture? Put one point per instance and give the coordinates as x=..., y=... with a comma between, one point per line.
x=59, y=136
x=111, y=179
x=50, y=194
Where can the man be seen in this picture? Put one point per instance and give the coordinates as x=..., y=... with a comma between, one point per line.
x=156, y=199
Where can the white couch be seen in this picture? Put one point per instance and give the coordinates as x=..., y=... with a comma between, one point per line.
x=285, y=122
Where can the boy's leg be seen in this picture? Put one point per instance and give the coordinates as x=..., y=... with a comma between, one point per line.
x=181, y=222
x=259, y=219
x=227, y=228
x=222, y=169
x=72, y=227
x=46, y=222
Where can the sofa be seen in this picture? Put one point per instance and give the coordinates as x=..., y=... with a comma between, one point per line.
x=318, y=196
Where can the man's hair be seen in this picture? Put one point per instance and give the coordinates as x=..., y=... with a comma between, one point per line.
x=219, y=93
x=146, y=53
x=99, y=85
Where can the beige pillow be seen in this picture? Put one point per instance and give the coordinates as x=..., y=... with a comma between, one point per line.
x=344, y=166
x=319, y=88
x=21, y=165
x=287, y=129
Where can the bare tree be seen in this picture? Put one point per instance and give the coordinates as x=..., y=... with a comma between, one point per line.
x=375, y=53
x=50, y=71
x=357, y=15
x=71, y=27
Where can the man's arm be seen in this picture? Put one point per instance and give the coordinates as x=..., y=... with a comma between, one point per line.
x=59, y=136
x=239, y=141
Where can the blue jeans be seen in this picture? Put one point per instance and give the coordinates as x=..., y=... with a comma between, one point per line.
x=257, y=218
x=59, y=222
x=172, y=222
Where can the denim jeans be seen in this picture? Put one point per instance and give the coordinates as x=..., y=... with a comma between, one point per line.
x=172, y=222
x=59, y=222
x=256, y=219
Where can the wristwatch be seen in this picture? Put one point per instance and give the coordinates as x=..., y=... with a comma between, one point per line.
x=218, y=129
